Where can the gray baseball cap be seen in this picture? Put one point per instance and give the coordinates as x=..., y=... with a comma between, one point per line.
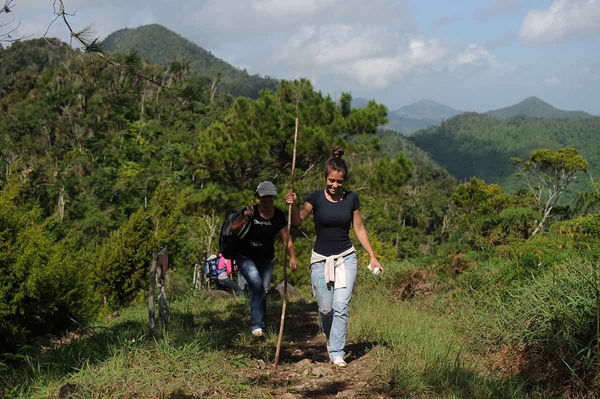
x=266, y=188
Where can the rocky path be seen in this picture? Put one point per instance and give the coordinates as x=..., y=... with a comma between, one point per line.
x=304, y=370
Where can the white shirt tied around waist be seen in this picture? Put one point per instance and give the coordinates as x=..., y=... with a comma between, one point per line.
x=337, y=276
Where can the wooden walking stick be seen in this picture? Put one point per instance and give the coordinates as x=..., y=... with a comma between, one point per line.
x=289, y=226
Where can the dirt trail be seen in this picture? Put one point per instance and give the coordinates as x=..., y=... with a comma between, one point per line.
x=304, y=370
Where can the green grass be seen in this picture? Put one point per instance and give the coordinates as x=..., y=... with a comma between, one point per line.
x=440, y=345
x=551, y=316
x=419, y=351
x=203, y=351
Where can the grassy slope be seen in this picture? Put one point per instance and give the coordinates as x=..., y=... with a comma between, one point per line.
x=397, y=348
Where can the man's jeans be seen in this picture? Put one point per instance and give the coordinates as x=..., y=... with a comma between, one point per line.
x=229, y=283
x=258, y=276
x=334, y=303
x=242, y=284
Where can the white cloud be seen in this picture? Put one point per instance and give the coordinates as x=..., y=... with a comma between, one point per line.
x=373, y=57
x=425, y=51
x=474, y=55
x=334, y=44
x=374, y=73
x=564, y=20
x=417, y=57
x=225, y=26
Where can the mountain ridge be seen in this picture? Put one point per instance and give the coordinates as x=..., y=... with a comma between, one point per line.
x=418, y=116
x=427, y=109
x=160, y=45
x=535, y=107
x=482, y=145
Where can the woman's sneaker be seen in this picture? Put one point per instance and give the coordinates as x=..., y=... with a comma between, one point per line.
x=338, y=361
x=257, y=333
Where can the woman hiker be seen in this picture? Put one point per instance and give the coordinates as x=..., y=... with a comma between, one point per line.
x=225, y=269
x=256, y=250
x=333, y=260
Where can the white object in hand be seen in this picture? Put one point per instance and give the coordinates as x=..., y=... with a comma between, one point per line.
x=375, y=270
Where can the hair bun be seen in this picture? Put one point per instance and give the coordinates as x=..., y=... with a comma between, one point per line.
x=337, y=152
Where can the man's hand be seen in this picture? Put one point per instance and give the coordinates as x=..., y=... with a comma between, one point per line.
x=249, y=211
x=293, y=263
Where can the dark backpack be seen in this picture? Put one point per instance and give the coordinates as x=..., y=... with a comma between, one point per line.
x=228, y=240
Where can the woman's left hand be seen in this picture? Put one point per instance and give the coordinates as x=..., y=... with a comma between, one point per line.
x=375, y=263
x=293, y=263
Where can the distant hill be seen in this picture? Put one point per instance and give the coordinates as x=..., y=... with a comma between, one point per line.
x=480, y=145
x=159, y=45
x=426, y=110
x=535, y=107
x=359, y=102
x=418, y=116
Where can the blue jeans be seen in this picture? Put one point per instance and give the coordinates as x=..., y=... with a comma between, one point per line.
x=242, y=284
x=334, y=304
x=229, y=283
x=258, y=277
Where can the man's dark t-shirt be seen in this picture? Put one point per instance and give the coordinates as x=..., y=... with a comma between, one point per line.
x=259, y=243
x=333, y=221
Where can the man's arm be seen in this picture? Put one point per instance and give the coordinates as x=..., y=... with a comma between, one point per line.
x=242, y=219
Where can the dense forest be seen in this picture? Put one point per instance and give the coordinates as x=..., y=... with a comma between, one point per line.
x=95, y=153
x=99, y=168
x=479, y=145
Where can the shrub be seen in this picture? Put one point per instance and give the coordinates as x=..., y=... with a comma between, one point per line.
x=123, y=263
x=518, y=222
x=582, y=227
x=43, y=282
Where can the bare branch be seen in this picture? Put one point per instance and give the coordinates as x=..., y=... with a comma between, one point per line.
x=8, y=4
x=6, y=24
x=49, y=26
x=94, y=46
x=12, y=30
x=7, y=37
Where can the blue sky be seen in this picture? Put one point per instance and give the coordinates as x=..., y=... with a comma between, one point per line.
x=470, y=55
